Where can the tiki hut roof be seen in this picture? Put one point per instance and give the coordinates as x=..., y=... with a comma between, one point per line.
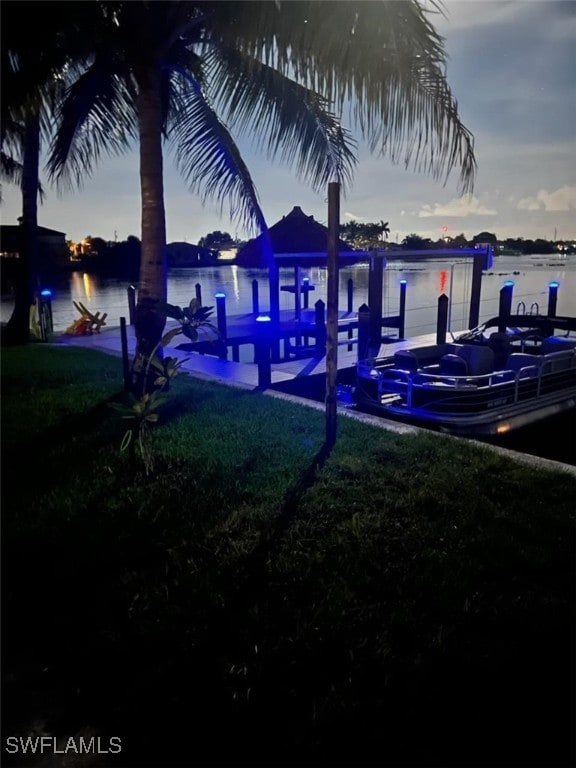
x=294, y=233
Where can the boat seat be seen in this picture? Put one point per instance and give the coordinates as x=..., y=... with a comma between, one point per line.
x=557, y=344
x=519, y=360
x=417, y=357
x=559, y=361
x=453, y=365
x=499, y=343
x=480, y=360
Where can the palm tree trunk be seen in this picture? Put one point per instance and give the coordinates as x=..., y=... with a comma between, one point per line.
x=26, y=280
x=150, y=315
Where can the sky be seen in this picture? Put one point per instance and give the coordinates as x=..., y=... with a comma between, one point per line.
x=511, y=66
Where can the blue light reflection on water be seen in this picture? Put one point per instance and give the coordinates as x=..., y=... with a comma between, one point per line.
x=533, y=277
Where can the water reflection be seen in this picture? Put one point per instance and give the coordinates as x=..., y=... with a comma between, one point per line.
x=235, y=281
x=84, y=286
x=424, y=285
x=443, y=274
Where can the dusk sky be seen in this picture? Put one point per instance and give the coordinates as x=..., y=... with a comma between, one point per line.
x=512, y=70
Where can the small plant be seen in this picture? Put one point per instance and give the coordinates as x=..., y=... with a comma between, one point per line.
x=193, y=319
x=143, y=412
x=159, y=371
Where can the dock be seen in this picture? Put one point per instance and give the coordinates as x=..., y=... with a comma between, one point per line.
x=230, y=371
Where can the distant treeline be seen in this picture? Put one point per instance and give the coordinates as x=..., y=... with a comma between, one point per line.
x=122, y=259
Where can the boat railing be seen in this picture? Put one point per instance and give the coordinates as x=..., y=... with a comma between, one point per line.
x=524, y=376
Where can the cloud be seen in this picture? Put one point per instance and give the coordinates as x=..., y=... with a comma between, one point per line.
x=466, y=14
x=562, y=199
x=459, y=207
x=353, y=216
x=528, y=204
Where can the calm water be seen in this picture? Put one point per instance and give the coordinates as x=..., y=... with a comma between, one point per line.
x=425, y=283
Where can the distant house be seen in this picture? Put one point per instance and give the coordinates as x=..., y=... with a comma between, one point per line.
x=294, y=233
x=180, y=254
x=53, y=252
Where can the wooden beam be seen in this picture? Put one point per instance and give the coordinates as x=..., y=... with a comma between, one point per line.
x=332, y=312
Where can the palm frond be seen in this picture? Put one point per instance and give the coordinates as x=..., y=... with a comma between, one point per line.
x=207, y=155
x=95, y=117
x=285, y=118
x=379, y=62
x=10, y=169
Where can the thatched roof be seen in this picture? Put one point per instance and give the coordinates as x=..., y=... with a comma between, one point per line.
x=294, y=233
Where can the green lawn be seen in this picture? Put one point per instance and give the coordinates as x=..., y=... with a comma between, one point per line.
x=409, y=602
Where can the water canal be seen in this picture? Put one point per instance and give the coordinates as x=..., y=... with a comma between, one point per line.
x=425, y=282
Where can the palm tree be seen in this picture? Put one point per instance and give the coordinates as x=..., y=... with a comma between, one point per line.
x=385, y=229
x=286, y=72
x=154, y=75
x=20, y=141
x=32, y=75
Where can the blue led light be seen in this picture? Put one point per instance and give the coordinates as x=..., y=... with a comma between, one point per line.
x=554, y=284
x=220, y=295
x=46, y=292
x=403, y=282
x=508, y=283
x=263, y=319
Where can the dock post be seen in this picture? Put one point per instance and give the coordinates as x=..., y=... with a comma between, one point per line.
x=131, y=290
x=305, y=291
x=255, y=302
x=363, y=331
x=375, y=278
x=350, y=287
x=479, y=263
x=320, y=323
x=221, y=321
x=198, y=289
x=262, y=351
x=442, y=321
x=306, y=300
x=552, y=298
x=402, y=310
x=505, y=304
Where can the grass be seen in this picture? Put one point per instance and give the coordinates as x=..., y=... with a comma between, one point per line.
x=409, y=602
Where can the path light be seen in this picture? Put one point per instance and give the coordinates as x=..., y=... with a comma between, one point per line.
x=45, y=317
